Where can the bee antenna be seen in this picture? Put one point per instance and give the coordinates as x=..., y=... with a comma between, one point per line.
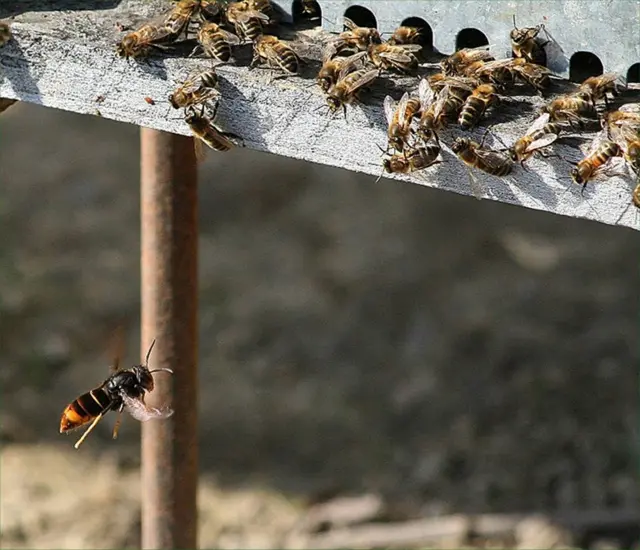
x=514, y=21
x=161, y=370
x=146, y=361
x=380, y=176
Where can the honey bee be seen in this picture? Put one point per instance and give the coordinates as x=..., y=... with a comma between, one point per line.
x=210, y=10
x=123, y=390
x=474, y=156
x=276, y=54
x=631, y=147
x=540, y=134
x=5, y=33
x=355, y=37
x=399, y=58
x=399, y=119
x=139, y=43
x=536, y=76
x=623, y=126
x=205, y=131
x=526, y=45
x=483, y=97
x=597, y=87
x=6, y=103
x=595, y=163
x=497, y=72
x=177, y=21
x=248, y=21
x=216, y=42
x=310, y=9
x=437, y=107
x=348, y=86
x=406, y=35
x=571, y=108
x=195, y=90
x=455, y=64
x=328, y=74
x=416, y=158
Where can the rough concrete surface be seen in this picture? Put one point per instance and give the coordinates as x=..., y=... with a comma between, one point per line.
x=447, y=354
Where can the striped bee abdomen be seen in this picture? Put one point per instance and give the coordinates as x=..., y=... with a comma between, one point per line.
x=84, y=409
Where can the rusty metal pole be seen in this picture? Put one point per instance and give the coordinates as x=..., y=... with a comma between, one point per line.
x=169, y=265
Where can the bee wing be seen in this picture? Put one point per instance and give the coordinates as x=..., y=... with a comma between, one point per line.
x=544, y=141
x=399, y=56
x=462, y=83
x=229, y=37
x=409, y=47
x=538, y=123
x=425, y=93
x=596, y=142
x=138, y=410
x=350, y=24
x=199, y=149
x=630, y=108
x=389, y=108
x=402, y=106
x=364, y=79
x=441, y=102
x=629, y=133
x=497, y=64
x=330, y=50
x=247, y=15
x=491, y=158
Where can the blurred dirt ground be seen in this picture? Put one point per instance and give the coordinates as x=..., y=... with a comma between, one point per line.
x=450, y=355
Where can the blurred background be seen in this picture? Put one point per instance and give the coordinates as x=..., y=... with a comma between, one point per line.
x=370, y=353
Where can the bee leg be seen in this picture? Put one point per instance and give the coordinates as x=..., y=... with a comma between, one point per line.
x=89, y=430
x=116, y=426
x=196, y=49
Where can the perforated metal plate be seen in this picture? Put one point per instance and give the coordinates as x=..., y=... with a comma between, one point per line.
x=608, y=29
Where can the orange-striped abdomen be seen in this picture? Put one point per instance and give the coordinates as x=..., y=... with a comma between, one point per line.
x=84, y=409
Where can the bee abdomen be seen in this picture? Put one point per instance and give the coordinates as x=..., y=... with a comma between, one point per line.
x=219, y=49
x=471, y=112
x=84, y=409
x=290, y=61
x=252, y=29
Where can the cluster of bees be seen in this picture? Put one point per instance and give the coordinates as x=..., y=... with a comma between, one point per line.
x=464, y=92
x=218, y=28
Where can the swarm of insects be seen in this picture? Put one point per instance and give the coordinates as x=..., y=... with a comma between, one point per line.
x=124, y=390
